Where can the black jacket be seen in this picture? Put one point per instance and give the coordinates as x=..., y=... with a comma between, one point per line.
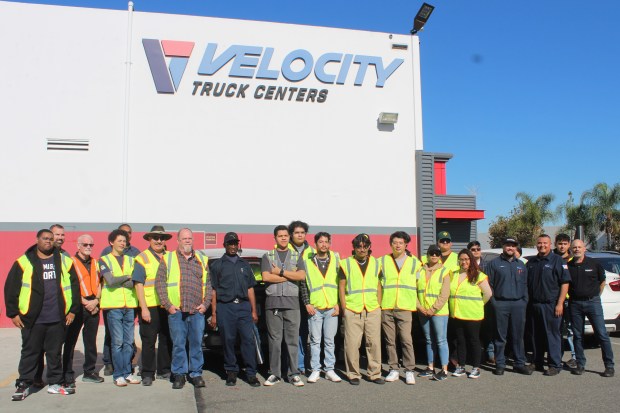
x=13, y=285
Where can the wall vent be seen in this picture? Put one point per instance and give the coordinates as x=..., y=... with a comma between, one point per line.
x=399, y=46
x=68, y=144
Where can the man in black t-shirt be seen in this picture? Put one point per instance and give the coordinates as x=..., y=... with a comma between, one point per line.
x=587, y=283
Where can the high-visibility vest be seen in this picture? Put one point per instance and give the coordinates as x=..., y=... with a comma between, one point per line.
x=429, y=290
x=150, y=264
x=451, y=263
x=361, y=291
x=466, y=299
x=118, y=296
x=174, y=275
x=88, y=278
x=287, y=288
x=399, y=286
x=323, y=289
x=25, y=292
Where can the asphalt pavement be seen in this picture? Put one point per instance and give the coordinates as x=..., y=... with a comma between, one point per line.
x=489, y=393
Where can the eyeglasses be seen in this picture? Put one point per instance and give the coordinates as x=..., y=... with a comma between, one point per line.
x=434, y=254
x=158, y=238
x=444, y=241
x=88, y=245
x=363, y=247
x=474, y=249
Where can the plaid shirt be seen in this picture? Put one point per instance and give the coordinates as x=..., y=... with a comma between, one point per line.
x=190, y=284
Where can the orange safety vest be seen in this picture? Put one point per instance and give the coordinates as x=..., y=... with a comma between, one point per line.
x=89, y=279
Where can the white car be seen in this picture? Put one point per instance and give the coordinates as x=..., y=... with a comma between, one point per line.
x=610, y=298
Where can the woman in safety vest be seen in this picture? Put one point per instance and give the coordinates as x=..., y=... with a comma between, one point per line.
x=469, y=291
x=433, y=286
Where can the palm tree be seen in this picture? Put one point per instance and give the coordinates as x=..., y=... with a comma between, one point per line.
x=532, y=213
x=578, y=215
x=603, y=201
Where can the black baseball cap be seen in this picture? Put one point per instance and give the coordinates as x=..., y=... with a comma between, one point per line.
x=231, y=238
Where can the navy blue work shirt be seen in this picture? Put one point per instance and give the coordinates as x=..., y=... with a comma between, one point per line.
x=545, y=276
x=231, y=277
x=507, y=278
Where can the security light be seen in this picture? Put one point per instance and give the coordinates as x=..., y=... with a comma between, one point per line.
x=422, y=17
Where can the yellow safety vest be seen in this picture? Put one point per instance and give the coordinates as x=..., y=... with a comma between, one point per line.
x=118, y=296
x=399, y=286
x=150, y=264
x=451, y=263
x=323, y=290
x=361, y=291
x=25, y=292
x=174, y=275
x=428, y=291
x=466, y=299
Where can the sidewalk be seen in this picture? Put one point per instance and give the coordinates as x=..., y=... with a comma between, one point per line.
x=89, y=396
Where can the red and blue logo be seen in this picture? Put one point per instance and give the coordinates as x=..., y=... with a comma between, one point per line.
x=167, y=75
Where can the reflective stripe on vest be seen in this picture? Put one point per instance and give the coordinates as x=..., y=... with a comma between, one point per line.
x=174, y=275
x=361, y=291
x=399, y=286
x=25, y=291
x=118, y=296
x=466, y=301
x=429, y=290
x=89, y=279
x=323, y=290
x=150, y=264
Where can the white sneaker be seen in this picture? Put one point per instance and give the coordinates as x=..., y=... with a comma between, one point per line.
x=393, y=376
x=120, y=382
x=271, y=380
x=131, y=379
x=314, y=377
x=409, y=377
x=332, y=376
x=297, y=381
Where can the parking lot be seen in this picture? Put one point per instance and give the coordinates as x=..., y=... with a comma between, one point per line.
x=487, y=394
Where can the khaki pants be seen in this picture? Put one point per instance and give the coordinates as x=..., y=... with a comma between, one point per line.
x=398, y=322
x=366, y=324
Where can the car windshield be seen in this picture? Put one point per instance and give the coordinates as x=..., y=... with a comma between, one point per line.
x=611, y=264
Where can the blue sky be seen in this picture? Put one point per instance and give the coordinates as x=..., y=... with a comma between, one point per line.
x=525, y=94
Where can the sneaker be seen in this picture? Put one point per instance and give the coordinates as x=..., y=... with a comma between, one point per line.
x=272, y=380
x=409, y=377
x=552, y=371
x=58, y=389
x=131, y=379
x=458, y=372
x=147, y=381
x=108, y=370
x=427, y=373
x=22, y=390
x=179, y=381
x=475, y=373
x=198, y=382
x=231, y=378
x=392, y=376
x=355, y=382
x=578, y=371
x=332, y=376
x=120, y=382
x=440, y=376
x=163, y=376
x=379, y=380
x=314, y=377
x=609, y=372
x=572, y=363
x=526, y=370
x=69, y=385
x=297, y=381
x=92, y=378
x=253, y=381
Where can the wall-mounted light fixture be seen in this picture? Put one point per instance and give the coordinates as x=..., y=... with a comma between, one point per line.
x=388, y=118
x=422, y=17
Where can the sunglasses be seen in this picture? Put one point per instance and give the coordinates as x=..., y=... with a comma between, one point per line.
x=444, y=241
x=434, y=254
x=88, y=245
x=158, y=238
x=474, y=249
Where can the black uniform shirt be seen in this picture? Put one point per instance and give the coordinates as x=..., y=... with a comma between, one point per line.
x=586, y=278
x=231, y=277
x=545, y=276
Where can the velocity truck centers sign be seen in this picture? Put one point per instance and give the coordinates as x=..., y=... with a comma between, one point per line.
x=256, y=62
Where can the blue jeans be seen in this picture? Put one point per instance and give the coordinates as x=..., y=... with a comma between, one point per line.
x=322, y=324
x=120, y=323
x=592, y=309
x=435, y=331
x=303, y=339
x=186, y=328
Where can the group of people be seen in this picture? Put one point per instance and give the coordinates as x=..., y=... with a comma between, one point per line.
x=52, y=297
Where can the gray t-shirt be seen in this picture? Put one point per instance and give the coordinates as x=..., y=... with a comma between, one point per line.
x=281, y=302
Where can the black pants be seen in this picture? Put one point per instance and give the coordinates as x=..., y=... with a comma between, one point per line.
x=150, y=333
x=510, y=322
x=235, y=319
x=467, y=335
x=547, y=335
x=90, y=323
x=38, y=339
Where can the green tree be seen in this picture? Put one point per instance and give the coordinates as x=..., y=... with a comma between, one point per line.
x=603, y=201
x=575, y=216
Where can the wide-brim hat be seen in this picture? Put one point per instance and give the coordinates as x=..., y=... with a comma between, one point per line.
x=157, y=230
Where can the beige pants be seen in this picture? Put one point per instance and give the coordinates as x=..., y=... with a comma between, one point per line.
x=398, y=322
x=366, y=324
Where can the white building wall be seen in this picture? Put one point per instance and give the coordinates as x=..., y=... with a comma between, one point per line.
x=197, y=159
